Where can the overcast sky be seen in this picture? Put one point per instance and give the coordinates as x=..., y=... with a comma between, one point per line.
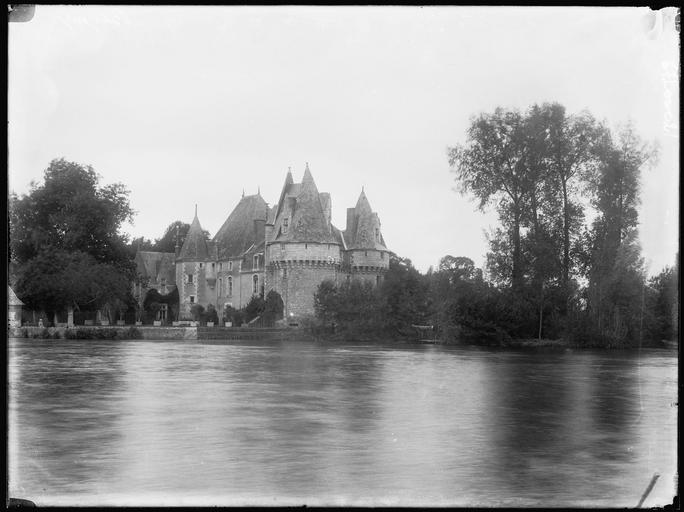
x=193, y=105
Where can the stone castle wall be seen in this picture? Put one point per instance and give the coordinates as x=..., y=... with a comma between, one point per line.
x=329, y=253
x=297, y=283
x=361, y=258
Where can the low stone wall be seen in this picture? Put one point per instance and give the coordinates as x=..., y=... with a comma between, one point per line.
x=105, y=332
x=168, y=333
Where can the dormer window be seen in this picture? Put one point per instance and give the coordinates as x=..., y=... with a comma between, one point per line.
x=377, y=235
x=286, y=224
x=163, y=285
x=256, y=261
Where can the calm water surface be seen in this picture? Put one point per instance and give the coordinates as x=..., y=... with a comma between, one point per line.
x=183, y=423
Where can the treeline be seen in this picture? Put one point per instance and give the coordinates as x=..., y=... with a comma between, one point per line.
x=564, y=261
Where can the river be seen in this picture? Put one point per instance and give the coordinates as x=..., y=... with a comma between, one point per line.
x=292, y=423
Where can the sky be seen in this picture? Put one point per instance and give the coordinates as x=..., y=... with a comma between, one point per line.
x=194, y=105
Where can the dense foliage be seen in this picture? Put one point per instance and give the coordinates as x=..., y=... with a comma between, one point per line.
x=65, y=242
x=564, y=261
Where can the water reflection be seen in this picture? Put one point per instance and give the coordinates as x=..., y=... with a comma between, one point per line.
x=292, y=423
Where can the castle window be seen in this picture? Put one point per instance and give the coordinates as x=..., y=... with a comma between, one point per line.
x=377, y=280
x=163, y=310
x=220, y=266
x=256, y=261
x=306, y=246
x=220, y=286
x=163, y=285
x=192, y=299
x=190, y=277
x=365, y=253
x=285, y=273
x=255, y=283
x=230, y=286
x=213, y=266
x=200, y=265
x=382, y=255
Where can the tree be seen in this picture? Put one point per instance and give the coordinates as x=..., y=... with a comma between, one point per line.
x=254, y=308
x=403, y=295
x=72, y=212
x=273, y=307
x=197, y=311
x=492, y=165
x=211, y=315
x=616, y=276
x=662, y=305
x=571, y=142
x=66, y=243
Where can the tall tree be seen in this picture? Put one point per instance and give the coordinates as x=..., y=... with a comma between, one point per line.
x=72, y=212
x=492, y=165
x=571, y=143
x=616, y=278
x=66, y=243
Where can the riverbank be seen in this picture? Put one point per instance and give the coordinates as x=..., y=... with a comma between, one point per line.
x=194, y=333
x=201, y=333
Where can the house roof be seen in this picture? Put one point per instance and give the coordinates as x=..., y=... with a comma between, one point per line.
x=195, y=245
x=157, y=265
x=240, y=230
x=361, y=233
x=12, y=299
x=302, y=204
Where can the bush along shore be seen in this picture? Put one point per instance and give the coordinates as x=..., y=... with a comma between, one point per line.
x=78, y=333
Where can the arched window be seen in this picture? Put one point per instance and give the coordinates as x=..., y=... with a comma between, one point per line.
x=255, y=284
x=220, y=286
x=230, y=286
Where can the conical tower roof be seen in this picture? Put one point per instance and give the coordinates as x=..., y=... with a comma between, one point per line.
x=308, y=220
x=365, y=233
x=195, y=245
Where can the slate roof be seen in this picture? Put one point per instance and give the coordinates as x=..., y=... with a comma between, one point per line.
x=361, y=233
x=302, y=204
x=195, y=245
x=12, y=299
x=157, y=266
x=240, y=231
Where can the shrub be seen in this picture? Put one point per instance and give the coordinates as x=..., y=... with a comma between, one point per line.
x=197, y=310
x=210, y=315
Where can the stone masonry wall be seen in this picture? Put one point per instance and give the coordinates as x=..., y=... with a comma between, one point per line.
x=297, y=283
x=329, y=253
x=368, y=258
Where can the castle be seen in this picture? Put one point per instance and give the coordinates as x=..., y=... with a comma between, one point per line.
x=290, y=248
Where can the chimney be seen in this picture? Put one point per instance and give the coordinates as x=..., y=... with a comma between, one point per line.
x=178, y=246
x=351, y=214
x=259, y=227
x=326, y=204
